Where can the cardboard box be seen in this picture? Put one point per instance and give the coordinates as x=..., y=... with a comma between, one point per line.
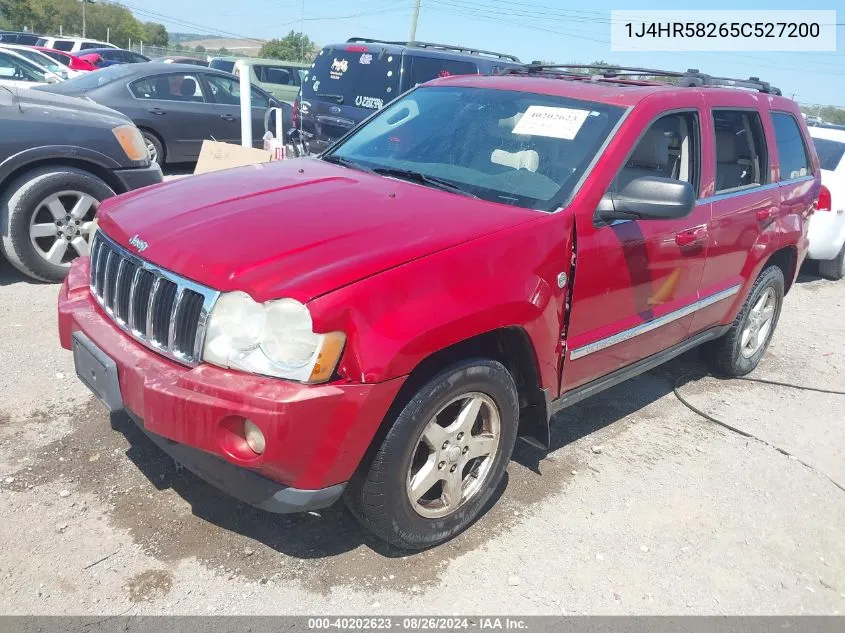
x=215, y=156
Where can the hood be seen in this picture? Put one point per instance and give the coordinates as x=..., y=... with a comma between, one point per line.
x=56, y=107
x=295, y=228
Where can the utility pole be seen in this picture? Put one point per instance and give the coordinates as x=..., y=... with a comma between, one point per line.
x=84, y=2
x=414, y=18
x=302, y=35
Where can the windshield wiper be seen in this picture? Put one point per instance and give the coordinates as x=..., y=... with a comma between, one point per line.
x=423, y=179
x=337, y=98
x=351, y=164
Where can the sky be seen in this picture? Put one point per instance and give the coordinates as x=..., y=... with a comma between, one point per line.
x=530, y=29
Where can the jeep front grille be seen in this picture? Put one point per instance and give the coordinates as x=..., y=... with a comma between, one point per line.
x=164, y=311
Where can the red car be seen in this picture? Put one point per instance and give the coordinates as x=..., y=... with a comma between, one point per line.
x=71, y=61
x=382, y=322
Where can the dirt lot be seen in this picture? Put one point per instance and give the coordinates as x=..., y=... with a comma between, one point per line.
x=641, y=506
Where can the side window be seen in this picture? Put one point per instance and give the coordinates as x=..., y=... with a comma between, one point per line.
x=741, y=155
x=259, y=99
x=63, y=45
x=177, y=87
x=794, y=159
x=279, y=75
x=18, y=69
x=228, y=91
x=88, y=45
x=428, y=68
x=670, y=148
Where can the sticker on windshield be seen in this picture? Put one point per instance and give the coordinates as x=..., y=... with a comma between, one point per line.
x=373, y=103
x=551, y=122
x=339, y=66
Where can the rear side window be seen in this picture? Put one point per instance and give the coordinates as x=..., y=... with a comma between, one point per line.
x=741, y=155
x=354, y=77
x=794, y=159
x=225, y=65
x=59, y=57
x=830, y=152
x=18, y=69
x=279, y=75
x=428, y=68
x=88, y=45
x=63, y=45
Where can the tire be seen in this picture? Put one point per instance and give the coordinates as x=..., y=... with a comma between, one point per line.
x=379, y=495
x=733, y=354
x=833, y=269
x=25, y=203
x=154, y=146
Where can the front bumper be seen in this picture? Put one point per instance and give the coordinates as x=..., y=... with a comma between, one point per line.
x=132, y=179
x=316, y=435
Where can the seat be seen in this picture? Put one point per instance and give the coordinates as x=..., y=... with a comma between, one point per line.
x=188, y=90
x=162, y=88
x=277, y=76
x=730, y=174
x=650, y=158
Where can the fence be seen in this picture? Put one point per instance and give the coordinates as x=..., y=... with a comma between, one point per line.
x=159, y=51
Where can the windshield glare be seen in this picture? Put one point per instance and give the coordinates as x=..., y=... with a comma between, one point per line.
x=516, y=148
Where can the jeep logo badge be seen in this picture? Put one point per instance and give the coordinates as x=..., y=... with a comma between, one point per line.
x=138, y=243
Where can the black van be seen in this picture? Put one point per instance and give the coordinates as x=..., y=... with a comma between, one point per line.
x=348, y=82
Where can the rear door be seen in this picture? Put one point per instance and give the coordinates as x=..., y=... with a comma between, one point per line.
x=225, y=97
x=344, y=86
x=746, y=206
x=637, y=282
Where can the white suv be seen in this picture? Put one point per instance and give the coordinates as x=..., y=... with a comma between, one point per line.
x=71, y=44
x=827, y=228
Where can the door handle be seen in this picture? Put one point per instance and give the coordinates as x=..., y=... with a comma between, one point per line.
x=691, y=237
x=156, y=111
x=227, y=117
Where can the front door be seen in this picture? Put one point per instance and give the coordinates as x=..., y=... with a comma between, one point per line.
x=225, y=94
x=637, y=282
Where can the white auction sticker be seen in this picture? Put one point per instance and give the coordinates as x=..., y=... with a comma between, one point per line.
x=552, y=122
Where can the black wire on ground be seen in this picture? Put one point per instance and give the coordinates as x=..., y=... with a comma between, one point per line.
x=733, y=429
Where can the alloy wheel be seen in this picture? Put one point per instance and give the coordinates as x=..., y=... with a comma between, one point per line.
x=759, y=323
x=60, y=226
x=151, y=149
x=454, y=455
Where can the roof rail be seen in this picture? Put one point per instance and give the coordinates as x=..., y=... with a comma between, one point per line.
x=442, y=47
x=691, y=78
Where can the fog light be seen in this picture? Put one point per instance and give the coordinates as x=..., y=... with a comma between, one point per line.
x=254, y=437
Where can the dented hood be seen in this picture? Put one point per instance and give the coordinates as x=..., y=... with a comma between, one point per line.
x=297, y=228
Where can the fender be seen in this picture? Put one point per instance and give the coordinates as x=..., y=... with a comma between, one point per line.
x=55, y=152
x=511, y=281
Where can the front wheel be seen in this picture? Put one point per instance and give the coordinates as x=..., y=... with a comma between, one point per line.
x=740, y=350
x=442, y=459
x=154, y=147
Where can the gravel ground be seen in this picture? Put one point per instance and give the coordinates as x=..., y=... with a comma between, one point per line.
x=641, y=507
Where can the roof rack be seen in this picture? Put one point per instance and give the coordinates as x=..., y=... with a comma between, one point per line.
x=691, y=78
x=441, y=47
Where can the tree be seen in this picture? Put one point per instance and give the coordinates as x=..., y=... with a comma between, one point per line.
x=199, y=48
x=155, y=34
x=293, y=47
x=223, y=51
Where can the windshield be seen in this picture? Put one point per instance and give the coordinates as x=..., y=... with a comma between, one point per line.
x=226, y=66
x=41, y=60
x=516, y=148
x=97, y=78
x=364, y=79
x=830, y=152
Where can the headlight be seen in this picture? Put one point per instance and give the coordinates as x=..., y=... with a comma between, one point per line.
x=132, y=142
x=274, y=339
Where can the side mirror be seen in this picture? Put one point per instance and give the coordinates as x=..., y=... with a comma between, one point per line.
x=51, y=79
x=648, y=198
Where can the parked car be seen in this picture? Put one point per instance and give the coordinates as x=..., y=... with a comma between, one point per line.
x=348, y=82
x=59, y=158
x=74, y=63
x=175, y=106
x=827, y=226
x=280, y=78
x=71, y=44
x=18, y=72
x=182, y=60
x=382, y=322
x=102, y=57
x=41, y=59
x=18, y=37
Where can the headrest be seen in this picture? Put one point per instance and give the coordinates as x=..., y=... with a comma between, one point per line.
x=526, y=159
x=188, y=87
x=652, y=151
x=725, y=147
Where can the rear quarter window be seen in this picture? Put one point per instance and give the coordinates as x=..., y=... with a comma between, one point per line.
x=830, y=152
x=425, y=69
x=63, y=45
x=354, y=76
x=793, y=154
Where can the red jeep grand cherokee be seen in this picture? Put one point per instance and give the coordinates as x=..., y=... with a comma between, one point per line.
x=382, y=322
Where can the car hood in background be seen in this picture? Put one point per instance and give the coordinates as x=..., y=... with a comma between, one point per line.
x=61, y=107
x=297, y=228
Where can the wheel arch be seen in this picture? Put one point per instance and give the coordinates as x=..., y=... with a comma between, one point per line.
x=786, y=259
x=94, y=168
x=147, y=128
